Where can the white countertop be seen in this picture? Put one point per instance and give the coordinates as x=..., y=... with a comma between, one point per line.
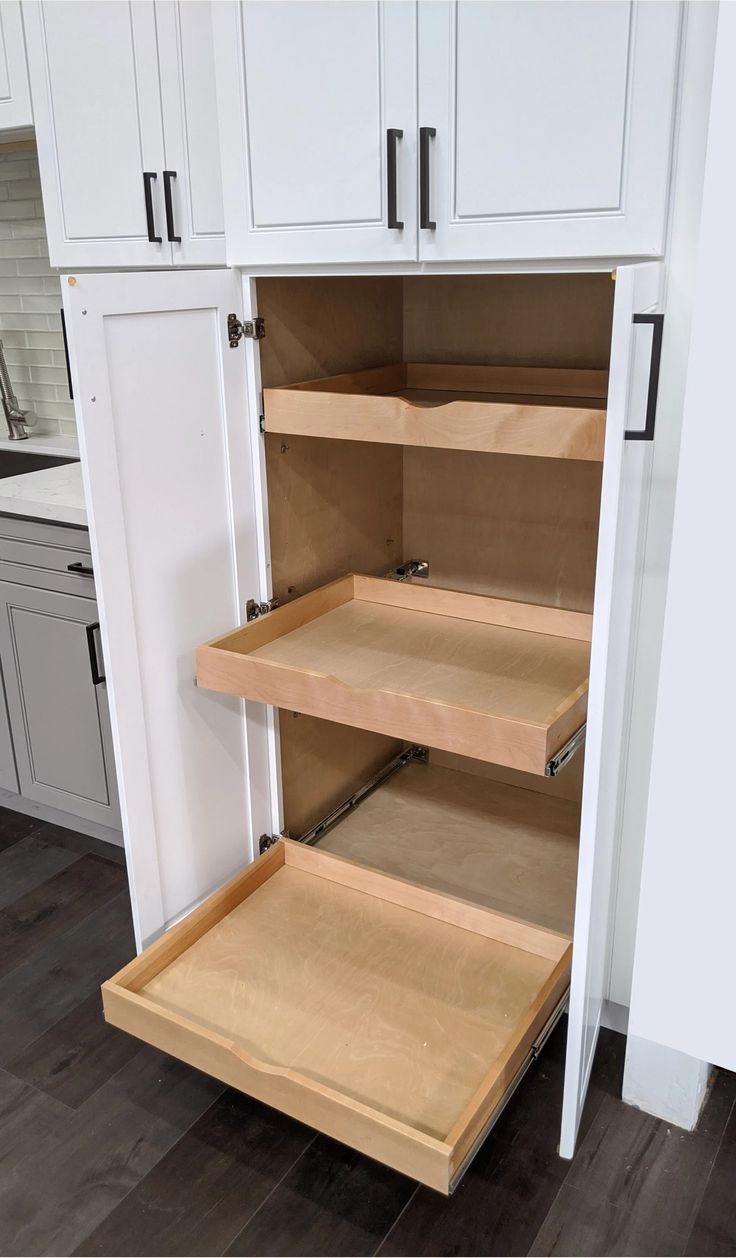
x=44, y=443
x=55, y=494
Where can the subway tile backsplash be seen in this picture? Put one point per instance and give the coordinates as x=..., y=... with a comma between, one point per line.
x=30, y=298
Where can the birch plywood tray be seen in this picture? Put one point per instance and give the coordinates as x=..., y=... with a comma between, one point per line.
x=539, y=411
x=500, y=681
x=392, y=1018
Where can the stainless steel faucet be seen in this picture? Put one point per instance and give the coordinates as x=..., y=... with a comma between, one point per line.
x=15, y=417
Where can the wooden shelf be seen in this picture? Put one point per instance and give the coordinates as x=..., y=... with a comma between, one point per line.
x=511, y=850
x=499, y=681
x=540, y=411
x=390, y=1017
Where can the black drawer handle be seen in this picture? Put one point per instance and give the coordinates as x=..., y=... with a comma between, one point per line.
x=170, y=232
x=97, y=676
x=425, y=135
x=80, y=570
x=647, y=432
x=148, y=178
x=392, y=136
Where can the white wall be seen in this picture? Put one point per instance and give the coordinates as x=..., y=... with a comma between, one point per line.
x=30, y=297
x=680, y=276
x=683, y=983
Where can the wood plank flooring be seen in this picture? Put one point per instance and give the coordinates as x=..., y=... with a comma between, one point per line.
x=109, y=1147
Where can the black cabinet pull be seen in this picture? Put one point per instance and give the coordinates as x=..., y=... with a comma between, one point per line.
x=80, y=570
x=97, y=676
x=647, y=432
x=392, y=136
x=170, y=232
x=66, y=355
x=425, y=135
x=148, y=177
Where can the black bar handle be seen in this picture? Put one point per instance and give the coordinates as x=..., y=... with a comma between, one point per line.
x=425, y=135
x=97, y=676
x=66, y=355
x=392, y=136
x=148, y=178
x=80, y=570
x=170, y=232
x=656, y=322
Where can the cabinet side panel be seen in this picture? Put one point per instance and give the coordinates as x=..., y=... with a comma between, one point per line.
x=334, y=506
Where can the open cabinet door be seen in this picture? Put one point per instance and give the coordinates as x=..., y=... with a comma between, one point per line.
x=624, y=496
x=162, y=410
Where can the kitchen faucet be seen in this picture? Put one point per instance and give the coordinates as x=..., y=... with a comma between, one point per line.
x=16, y=418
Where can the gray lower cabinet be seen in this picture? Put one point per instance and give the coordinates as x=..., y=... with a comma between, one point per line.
x=56, y=701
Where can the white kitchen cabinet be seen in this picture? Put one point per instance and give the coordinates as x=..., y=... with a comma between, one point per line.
x=267, y=492
x=15, y=93
x=544, y=129
x=552, y=127
x=310, y=96
x=123, y=97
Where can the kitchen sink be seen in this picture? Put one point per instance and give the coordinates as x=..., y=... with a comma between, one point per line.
x=16, y=463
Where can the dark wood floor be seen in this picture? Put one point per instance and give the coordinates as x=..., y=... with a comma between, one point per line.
x=108, y=1147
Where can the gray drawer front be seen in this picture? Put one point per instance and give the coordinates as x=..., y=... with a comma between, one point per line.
x=33, y=553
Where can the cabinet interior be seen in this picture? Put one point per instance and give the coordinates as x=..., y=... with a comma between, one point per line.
x=502, y=525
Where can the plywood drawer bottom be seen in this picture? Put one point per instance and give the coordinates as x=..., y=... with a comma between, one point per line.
x=388, y=1016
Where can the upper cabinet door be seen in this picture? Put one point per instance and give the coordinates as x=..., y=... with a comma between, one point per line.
x=126, y=129
x=194, y=219
x=15, y=94
x=307, y=96
x=553, y=126
x=96, y=101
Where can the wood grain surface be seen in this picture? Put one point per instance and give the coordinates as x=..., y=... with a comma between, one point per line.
x=509, y=849
x=501, y=694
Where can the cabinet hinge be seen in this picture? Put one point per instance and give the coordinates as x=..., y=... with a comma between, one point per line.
x=267, y=841
x=252, y=329
x=261, y=423
x=254, y=608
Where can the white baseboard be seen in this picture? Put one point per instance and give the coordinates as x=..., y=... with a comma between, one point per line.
x=615, y=1017
x=664, y=1082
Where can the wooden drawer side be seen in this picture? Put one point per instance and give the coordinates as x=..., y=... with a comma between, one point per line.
x=540, y=412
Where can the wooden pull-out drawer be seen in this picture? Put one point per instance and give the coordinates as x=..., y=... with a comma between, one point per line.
x=499, y=681
x=391, y=1017
x=540, y=411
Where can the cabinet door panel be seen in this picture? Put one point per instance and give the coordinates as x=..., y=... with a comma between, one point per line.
x=555, y=141
x=59, y=717
x=15, y=94
x=165, y=441
x=96, y=98
x=306, y=95
x=619, y=567
x=187, y=67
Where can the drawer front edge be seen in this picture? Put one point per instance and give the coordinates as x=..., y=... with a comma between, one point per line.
x=414, y=1154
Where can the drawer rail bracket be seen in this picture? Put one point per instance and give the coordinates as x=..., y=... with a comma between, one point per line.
x=412, y=568
x=565, y=753
x=412, y=755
